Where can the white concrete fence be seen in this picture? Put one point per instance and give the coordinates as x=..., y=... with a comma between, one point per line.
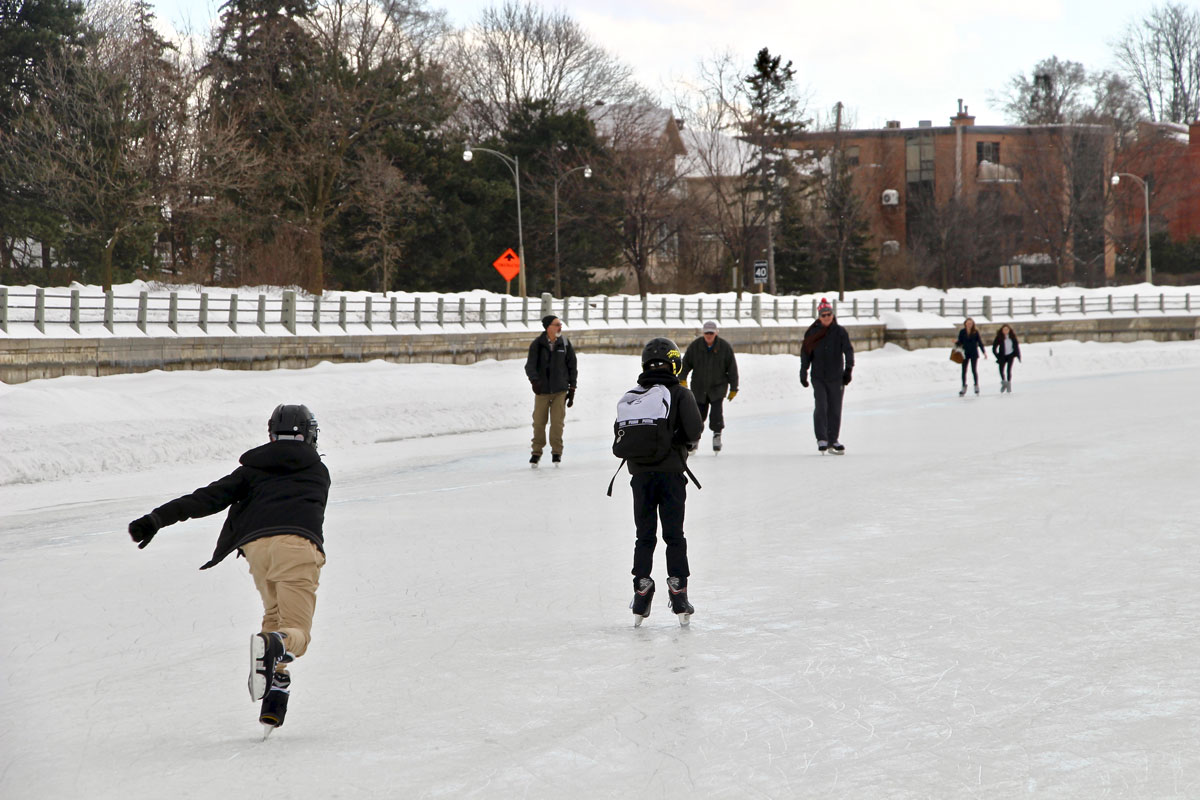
x=228, y=314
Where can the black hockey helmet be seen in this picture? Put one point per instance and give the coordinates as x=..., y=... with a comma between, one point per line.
x=293, y=421
x=662, y=350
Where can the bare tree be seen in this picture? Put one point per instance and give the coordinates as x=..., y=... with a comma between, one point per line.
x=1160, y=56
x=386, y=200
x=519, y=53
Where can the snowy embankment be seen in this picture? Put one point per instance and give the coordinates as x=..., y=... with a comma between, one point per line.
x=80, y=426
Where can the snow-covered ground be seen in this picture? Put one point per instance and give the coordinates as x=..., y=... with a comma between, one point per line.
x=990, y=596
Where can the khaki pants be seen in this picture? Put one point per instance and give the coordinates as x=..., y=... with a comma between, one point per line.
x=554, y=407
x=285, y=571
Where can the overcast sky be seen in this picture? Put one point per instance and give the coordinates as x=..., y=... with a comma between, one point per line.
x=884, y=59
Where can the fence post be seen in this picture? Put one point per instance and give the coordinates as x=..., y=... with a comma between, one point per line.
x=646, y=309
x=417, y=312
x=1082, y=304
x=663, y=311
x=342, y=312
x=875, y=310
x=368, y=312
x=262, y=313
x=483, y=312
x=75, y=310
x=441, y=312
x=1057, y=304
x=393, y=314
x=587, y=310
x=966, y=311
x=173, y=312
x=233, y=312
x=462, y=311
x=4, y=309
x=547, y=304
x=606, y=309
x=897, y=305
x=143, y=302
x=987, y=306
x=756, y=308
x=504, y=311
x=39, y=310
x=942, y=307
x=1010, y=308
x=1110, y=304
x=204, y=311
x=719, y=309
x=287, y=311
x=682, y=311
x=835, y=307
x=796, y=309
x=737, y=308
x=1135, y=304
x=316, y=313
x=1187, y=302
x=108, y=311
x=566, y=310
x=920, y=305
x=700, y=310
x=625, y=309
x=854, y=308
x=1162, y=301
x=524, y=310
x=1033, y=306
x=777, y=309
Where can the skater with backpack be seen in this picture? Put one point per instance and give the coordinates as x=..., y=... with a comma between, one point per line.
x=972, y=348
x=276, y=500
x=658, y=424
x=1006, y=349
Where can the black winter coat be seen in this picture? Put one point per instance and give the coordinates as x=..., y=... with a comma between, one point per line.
x=683, y=420
x=832, y=355
x=998, y=347
x=972, y=345
x=714, y=371
x=280, y=488
x=551, y=368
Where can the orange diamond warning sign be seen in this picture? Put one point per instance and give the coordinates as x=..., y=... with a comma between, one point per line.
x=508, y=264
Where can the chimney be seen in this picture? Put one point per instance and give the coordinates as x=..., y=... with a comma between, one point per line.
x=963, y=118
x=893, y=123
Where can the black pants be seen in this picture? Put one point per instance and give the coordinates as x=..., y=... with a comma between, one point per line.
x=974, y=369
x=717, y=424
x=659, y=495
x=1005, y=362
x=827, y=413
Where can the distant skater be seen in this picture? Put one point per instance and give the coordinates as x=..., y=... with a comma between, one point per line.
x=552, y=370
x=276, y=500
x=1006, y=349
x=827, y=351
x=713, y=368
x=972, y=347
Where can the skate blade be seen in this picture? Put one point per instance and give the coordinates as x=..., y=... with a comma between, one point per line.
x=257, y=682
x=267, y=731
x=684, y=620
x=638, y=619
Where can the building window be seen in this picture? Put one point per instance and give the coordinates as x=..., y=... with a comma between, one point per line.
x=987, y=151
x=851, y=156
x=918, y=157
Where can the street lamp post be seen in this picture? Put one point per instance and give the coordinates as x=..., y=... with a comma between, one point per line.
x=587, y=173
x=514, y=166
x=1116, y=178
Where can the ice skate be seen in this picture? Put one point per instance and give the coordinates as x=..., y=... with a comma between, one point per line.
x=556, y=458
x=717, y=442
x=266, y=650
x=822, y=445
x=643, y=595
x=838, y=449
x=977, y=388
x=679, y=601
x=274, y=703
x=534, y=459
x=962, y=391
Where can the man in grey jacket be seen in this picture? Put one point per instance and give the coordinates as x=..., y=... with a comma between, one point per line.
x=711, y=363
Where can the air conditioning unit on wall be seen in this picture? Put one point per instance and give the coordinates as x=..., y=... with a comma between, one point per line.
x=890, y=197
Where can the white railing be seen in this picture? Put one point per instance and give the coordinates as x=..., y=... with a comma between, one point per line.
x=227, y=314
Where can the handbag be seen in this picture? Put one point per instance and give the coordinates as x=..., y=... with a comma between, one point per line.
x=956, y=354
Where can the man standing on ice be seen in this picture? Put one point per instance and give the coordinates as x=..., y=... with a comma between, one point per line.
x=828, y=353
x=711, y=363
x=551, y=368
x=276, y=501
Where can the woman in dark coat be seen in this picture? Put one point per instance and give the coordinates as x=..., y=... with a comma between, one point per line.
x=972, y=347
x=1006, y=349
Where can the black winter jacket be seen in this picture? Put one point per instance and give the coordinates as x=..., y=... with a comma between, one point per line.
x=280, y=488
x=714, y=372
x=972, y=345
x=998, y=347
x=832, y=355
x=551, y=368
x=683, y=419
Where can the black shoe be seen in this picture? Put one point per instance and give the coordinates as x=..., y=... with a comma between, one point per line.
x=643, y=595
x=534, y=459
x=822, y=445
x=679, y=600
x=266, y=650
x=838, y=448
x=556, y=458
x=275, y=702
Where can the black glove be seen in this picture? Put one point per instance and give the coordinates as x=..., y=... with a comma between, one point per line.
x=804, y=379
x=142, y=529
x=536, y=386
x=570, y=397
x=846, y=377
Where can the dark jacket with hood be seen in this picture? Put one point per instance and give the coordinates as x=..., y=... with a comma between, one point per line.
x=713, y=369
x=998, y=346
x=827, y=352
x=280, y=488
x=551, y=368
x=683, y=420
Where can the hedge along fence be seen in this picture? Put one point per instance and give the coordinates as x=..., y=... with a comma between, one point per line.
x=236, y=314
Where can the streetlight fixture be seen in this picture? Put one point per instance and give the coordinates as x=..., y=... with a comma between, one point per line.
x=1116, y=179
x=514, y=166
x=587, y=173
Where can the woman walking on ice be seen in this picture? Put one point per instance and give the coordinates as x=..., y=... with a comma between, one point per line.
x=1006, y=349
x=972, y=347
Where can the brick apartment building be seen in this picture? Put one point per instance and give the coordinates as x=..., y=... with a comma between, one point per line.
x=1034, y=196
